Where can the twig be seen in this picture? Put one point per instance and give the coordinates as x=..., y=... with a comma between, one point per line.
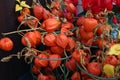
x=13, y=32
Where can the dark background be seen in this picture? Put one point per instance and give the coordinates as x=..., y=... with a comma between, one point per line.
x=14, y=69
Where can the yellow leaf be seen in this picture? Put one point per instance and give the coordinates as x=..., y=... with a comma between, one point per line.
x=18, y=1
x=114, y=50
x=109, y=70
x=23, y=4
x=18, y=7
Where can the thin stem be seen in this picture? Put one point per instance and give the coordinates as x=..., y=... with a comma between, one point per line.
x=62, y=70
x=13, y=32
x=67, y=73
x=19, y=28
x=65, y=53
x=34, y=18
x=53, y=59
